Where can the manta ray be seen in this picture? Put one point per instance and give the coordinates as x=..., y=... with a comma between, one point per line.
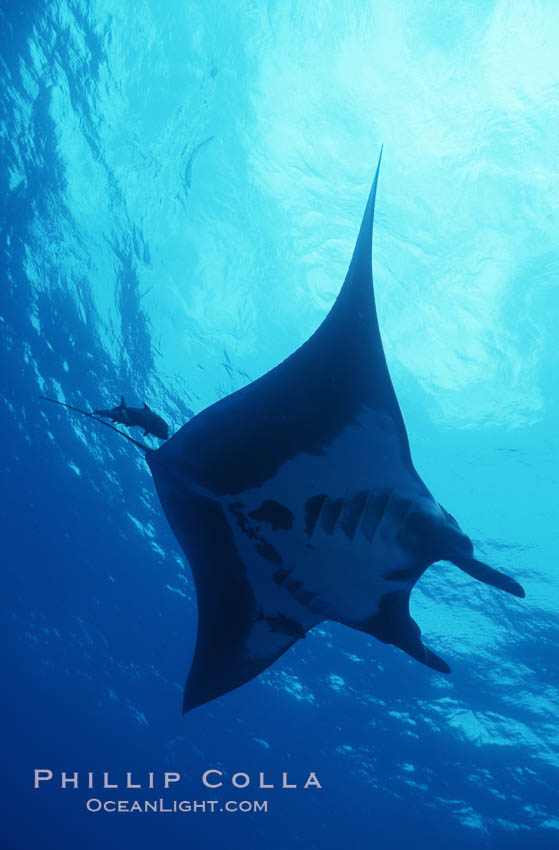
x=295, y=500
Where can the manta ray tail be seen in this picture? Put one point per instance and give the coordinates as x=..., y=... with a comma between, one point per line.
x=141, y=446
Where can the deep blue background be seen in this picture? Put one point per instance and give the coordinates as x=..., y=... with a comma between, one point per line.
x=181, y=188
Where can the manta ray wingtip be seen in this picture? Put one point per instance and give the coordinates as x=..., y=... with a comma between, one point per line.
x=189, y=702
x=362, y=254
x=373, y=192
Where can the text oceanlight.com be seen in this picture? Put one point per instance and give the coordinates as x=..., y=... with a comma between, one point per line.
x=174, y=806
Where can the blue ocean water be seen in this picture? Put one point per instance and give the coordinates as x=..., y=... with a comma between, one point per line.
x=182, y=183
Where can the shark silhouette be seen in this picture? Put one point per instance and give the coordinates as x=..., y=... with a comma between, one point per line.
x=143, y=417
x=296, y=501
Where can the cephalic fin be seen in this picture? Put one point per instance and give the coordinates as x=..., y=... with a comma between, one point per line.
x=482, y=572
x=410, y=641
x=393, y=624
x=451, y=544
